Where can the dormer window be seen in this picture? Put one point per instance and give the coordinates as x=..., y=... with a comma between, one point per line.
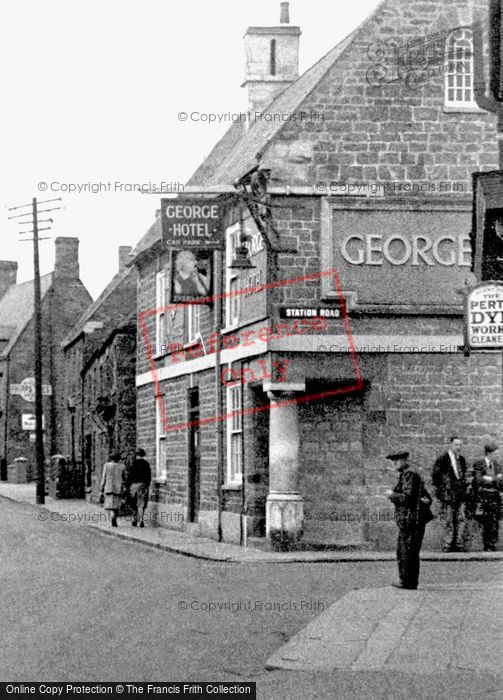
x=459, y=71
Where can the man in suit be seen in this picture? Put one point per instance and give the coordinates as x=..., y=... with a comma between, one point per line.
x=449, y=482
x=412, y=511
x=487, y=485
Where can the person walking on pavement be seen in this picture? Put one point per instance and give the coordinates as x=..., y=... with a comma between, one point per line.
x=449, y=482
x=140, y=478
x=412, y=511
x=111, y=489
x=487, y=485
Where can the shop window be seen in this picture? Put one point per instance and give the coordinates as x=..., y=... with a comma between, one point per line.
x=459, y=70
x=234, y=435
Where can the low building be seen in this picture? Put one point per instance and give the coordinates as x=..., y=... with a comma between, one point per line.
x=100, y=353
x=63, y=299
x=353, y=183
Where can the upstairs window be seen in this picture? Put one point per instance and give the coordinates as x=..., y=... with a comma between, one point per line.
x=193, y=322
x=161, y=316
x=459, y=70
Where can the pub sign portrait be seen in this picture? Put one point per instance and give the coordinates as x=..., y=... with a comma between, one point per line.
x=191, y=275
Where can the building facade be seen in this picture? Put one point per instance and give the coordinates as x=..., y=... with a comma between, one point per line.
x=100, y=357
x=63, y=299
x=353, y=182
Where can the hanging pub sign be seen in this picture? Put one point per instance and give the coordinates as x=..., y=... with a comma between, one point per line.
x=191, y=276
x=484, y=316
x=191, y=223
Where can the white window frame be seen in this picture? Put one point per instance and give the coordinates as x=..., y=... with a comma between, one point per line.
x=232, y=303
x=234, y=434
x=193, y=323
x=160, y=443
x=459, y=72
x=161, y=282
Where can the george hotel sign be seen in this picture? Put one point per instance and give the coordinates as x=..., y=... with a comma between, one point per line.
x=191, y=223
x=484, y=316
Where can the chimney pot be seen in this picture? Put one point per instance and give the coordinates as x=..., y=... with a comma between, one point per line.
x=285, y=14
x=67, y=257
x=124, y=256
x=8, y=275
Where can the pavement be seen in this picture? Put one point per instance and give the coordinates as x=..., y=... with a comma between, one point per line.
x=81, y=513
x=451, y=627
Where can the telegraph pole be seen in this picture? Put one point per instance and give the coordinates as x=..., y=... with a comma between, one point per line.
x=37, y=324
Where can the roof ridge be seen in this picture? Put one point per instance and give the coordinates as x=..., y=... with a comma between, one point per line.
x=95, y=305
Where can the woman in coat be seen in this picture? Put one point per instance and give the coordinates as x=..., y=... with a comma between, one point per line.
x=111, y=489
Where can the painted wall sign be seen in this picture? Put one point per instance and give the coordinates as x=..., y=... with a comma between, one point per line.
x=484, y=316
x=395, y=256
x=191, y=223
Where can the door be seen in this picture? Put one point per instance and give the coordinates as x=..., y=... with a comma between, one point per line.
x=194, y=475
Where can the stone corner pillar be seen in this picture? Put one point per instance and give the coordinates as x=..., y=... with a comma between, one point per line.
x=285, y=505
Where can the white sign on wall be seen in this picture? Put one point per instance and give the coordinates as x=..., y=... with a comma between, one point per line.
x=28, y=421
x=484, y=316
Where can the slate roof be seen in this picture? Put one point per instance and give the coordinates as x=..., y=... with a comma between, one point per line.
x=93, y=309
x=16, y=310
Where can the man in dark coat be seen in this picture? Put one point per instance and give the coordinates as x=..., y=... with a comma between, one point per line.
x=139, y=477
x=449, y=482
x=412, y=512
x=487, y=485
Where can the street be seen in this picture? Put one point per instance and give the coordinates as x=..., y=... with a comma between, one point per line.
x=80, y=606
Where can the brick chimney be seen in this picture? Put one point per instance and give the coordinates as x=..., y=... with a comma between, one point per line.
x=8, y=275
x=67, y=257
x=124, y=256
x=272, y=60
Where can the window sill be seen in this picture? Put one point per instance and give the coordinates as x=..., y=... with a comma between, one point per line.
x=232, y=487
x=161, y=480
x=467, y=109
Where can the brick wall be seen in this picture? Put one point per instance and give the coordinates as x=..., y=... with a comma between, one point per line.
x=391, y=132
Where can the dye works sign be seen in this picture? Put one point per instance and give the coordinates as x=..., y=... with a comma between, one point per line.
x=484, y=316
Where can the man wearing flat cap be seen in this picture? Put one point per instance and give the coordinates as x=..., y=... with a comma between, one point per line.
x=412, y=512
x=487, y=485
x=449, y=482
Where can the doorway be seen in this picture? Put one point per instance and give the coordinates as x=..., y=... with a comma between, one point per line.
x=194, y=475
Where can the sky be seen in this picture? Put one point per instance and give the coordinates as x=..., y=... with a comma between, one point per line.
x=92, y=92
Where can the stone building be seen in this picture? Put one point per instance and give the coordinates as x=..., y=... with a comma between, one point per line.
x=63, y=299
x=353, y=180
x=100, y=353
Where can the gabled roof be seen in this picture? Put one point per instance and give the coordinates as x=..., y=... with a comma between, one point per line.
x=241, y=147
x=147, y=241
x=16, y=309
x=234, y=157
x=93, y=310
